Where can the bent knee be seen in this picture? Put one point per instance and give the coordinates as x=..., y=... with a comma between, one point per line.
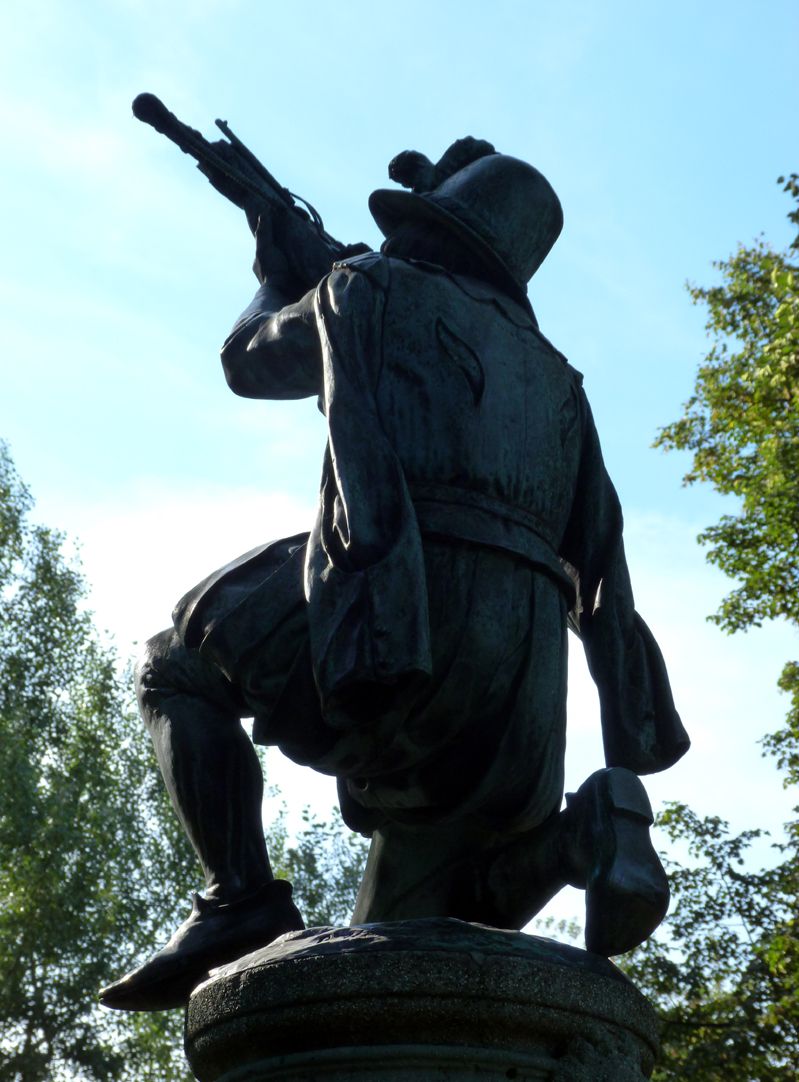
x=169, y=668
x=158, y=669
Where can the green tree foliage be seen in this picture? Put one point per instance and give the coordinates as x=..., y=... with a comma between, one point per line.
x=91, y=864
x=325, y=863
x=94, y=870
x=742, y=426
x=725, y=971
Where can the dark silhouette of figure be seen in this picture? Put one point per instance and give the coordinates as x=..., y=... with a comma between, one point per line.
x=414, y=643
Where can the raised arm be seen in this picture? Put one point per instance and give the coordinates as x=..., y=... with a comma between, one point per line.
x=273, y=350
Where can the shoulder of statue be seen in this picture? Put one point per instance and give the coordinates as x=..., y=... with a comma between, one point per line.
x=577, y=377
x=371, y=264
x=355, y=288
x=574, y=375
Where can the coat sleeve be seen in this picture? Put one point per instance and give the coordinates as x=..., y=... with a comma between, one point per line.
x=641, y=728
x=273, y=350
x=365, y=574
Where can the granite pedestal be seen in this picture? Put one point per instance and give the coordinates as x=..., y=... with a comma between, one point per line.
x=419, y=1000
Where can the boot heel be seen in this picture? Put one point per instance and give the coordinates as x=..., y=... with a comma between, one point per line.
x=626, y=793
x=626, y=889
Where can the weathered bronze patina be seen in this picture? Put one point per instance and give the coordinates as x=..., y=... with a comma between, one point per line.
x=413, y=644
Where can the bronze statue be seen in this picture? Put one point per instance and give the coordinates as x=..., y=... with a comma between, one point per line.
x=413, y=644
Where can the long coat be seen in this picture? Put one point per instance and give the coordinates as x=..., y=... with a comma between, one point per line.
x=449, y=417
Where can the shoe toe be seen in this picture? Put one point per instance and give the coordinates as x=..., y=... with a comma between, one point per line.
x=212, y=936
x=161, y=984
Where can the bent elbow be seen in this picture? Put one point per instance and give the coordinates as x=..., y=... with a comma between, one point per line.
x=231, y=366
x=237, y=364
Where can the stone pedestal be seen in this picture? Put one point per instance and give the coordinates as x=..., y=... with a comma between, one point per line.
x=417, y=1001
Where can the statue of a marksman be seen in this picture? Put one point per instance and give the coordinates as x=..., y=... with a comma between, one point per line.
x=413, y=644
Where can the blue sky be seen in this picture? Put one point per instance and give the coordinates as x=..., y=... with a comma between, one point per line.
x=663, y=128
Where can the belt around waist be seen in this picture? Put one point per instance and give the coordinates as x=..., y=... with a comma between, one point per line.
x=471, y=516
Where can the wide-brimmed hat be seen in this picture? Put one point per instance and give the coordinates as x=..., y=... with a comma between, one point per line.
x=503, y=209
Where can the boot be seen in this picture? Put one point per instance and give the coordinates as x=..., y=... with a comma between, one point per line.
x=608, y=851
x=212, y=935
